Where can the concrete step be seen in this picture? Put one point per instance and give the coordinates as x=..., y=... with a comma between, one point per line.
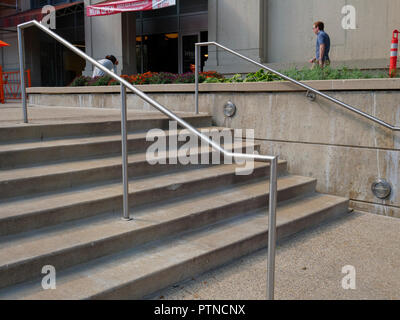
x=27, y=213
x=14, y=155
x=63, y=129
x=139, y=271
x=69, y=174
x=22, y=256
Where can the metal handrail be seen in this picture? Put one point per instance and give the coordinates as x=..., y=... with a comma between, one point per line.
x=273, y=160
x=345, y=105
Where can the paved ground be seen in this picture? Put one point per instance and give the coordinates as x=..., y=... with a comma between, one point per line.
x=309, y=265
x=11, y=114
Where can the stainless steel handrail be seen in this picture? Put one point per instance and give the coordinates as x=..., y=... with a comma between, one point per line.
x=273, y=160
x=345, y=105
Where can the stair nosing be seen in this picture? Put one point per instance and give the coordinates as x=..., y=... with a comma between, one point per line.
x=114, y=158
x=116, y=185
x=254, y=214
x=92, y=140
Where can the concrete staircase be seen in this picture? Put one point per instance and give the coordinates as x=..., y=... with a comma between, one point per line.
x=61, y=199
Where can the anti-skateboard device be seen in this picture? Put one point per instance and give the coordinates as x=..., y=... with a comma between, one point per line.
x=393, y=53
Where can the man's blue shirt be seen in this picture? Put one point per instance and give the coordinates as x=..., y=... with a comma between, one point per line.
x=323, y=38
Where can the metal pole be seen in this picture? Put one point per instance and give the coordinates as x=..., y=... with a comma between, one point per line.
x=22, y=73
x=124, y=138
x=272, y=227
x=196, y=76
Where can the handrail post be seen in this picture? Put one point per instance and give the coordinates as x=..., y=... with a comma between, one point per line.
x=196, y=77
x=22, y=74
x=124, y=138
x=272, y=227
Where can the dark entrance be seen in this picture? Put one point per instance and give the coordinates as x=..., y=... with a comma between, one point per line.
x=166, y=37
x=188, y=52
x=160, y=52
x=59, y=65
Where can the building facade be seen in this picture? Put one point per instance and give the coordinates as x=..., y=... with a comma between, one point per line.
x=279, y=32
x=274, y=32
x=157, y=40
x=50, y=63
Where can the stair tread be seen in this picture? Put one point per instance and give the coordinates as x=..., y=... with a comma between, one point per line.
x=94, y=118
x=60, y=167
x=79, y=140
x=50, y=239
x=24, y=205
x=106, y=273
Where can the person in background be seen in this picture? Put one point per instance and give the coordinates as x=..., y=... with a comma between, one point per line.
x=323, y=45
x=110, y=62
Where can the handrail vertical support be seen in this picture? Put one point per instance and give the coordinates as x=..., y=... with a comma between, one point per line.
x=22, y=73
x=124, y=136
x=196, y=76
x=272, y=227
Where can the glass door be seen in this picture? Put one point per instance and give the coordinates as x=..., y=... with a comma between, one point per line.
x=188, y=52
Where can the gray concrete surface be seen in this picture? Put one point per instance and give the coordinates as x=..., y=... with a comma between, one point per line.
x=104, y=259
x=11, y=114
x=309, y=265
x=285, y=123
x=271, y=86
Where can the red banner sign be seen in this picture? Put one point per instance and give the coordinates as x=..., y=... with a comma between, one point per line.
x=114, y=7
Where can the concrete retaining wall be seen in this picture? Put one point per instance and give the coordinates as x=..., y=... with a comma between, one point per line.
x=344, y=151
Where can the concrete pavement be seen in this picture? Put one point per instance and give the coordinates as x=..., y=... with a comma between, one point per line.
x=309, y=265
x=11, y=114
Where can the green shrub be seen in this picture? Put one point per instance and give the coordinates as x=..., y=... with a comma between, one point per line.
x=329, y=73
x=80, y=81
x=261, y=76
x=236, y=78
x=100, y=81
x=212, y=80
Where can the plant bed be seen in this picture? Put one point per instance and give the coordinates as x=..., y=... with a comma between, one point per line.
x=146, y=78
x=326, y=73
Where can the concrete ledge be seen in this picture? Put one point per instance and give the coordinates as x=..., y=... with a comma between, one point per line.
x=283, y=86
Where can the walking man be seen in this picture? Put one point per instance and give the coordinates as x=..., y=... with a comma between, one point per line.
x=323, y=45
